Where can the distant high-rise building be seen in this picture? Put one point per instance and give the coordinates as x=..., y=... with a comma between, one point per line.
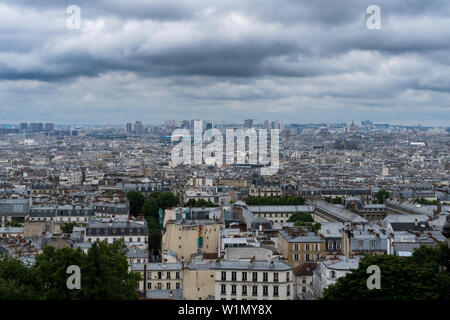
x=36, y=127
x=23, y=127
x=266, y=124
x=208, y=125
x=248, y=123
x=129, y=127
x=185, y=124
x=49, y=127
x=138, y=127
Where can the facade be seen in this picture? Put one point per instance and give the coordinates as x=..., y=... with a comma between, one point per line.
x=328, y=271
x=254, y=280
x=159, y=276
x=298, y=245
x=279, y=213
x=303, y=275
x=111, y=230
x=188, y=237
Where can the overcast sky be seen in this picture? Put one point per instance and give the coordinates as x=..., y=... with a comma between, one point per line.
x=225, y=60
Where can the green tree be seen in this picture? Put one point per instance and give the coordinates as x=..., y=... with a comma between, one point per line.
x=301, y=216
x=105, y=274
x=67, y=227
x=17, y=282
x=424, y=276
x=51, y=272
x=136, y=200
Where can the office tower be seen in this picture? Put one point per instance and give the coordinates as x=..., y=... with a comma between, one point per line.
x=138, y=127
x=129, y=127
x=49, y=127
x=23, y=127
x=281, y=125
x=266, y=124
x=209, y=125
x=185, y=124
x=248, y=123
x=36, y=127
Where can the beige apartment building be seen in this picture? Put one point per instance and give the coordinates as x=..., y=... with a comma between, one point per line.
x=188, y=237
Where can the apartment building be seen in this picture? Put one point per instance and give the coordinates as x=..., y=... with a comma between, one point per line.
x=297, y=245
x=159, y=276
x=254, y=280
x=188, y=237
x=110, y=230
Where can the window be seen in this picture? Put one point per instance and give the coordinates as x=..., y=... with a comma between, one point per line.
x=307, y=257
x=177, y=285
x=149, y=275
x=149, y=285
x=255, y=276
x=168, y=275
x=317, y=247
x=159, y=275
x=254, y=290
x=233, y=276
x=330, y=245
x=360, y=243
x=131, y=240
x=296, y=247
x=224, y=276
x=244, y=276
x=275, y=277
x=223, y=289
x=275, y=291
x=233, y=290
x=244, y=290
x=265, y=276
x=287, y=276
x=159, y=285
x=177, y=275
x=288, y=290
x=168, y=285
x=265, y=290
x=373, y=243
x=333, y=274
x=307, y=247
x=296, y=257
x=338, y=245
x=303, y=279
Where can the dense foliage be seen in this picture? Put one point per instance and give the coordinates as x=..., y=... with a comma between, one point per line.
x=381, y=196
x=335, y=200
x=199, y=203
x=284, y=200
x=67, y=227
x=104, y=275
x=136, y=200
x=423, y=276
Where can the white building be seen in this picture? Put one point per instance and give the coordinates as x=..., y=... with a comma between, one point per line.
x=328, y=271
x=254, y=280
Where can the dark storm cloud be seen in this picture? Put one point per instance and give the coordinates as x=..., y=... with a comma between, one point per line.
x=229, y=53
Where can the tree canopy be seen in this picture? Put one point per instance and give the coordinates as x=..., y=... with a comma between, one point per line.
x=381, y=196
x=423, y=276
x=104, y=275
x=268, y=200
x=199, y=203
